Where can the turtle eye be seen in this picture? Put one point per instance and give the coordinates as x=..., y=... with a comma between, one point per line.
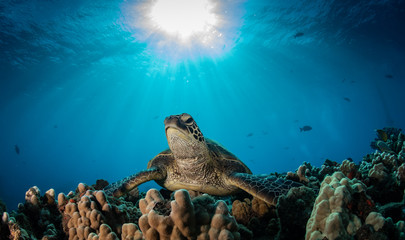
x=187, y=119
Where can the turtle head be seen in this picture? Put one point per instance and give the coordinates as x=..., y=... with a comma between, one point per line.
x=184, y=136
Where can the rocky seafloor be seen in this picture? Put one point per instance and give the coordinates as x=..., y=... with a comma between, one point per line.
x=338, y=201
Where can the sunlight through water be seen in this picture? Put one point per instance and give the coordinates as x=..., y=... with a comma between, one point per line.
x=184, y=29
x=184, y=17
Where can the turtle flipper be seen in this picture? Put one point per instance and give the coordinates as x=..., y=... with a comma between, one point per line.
x=127, y=184
x=266, y=188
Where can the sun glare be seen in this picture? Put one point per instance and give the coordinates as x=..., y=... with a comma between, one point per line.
x=184, y=18
x=184, y=29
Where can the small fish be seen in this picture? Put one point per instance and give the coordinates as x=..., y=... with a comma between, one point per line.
x=383, y=147
x=17, y=149
x=251, y=147
x=389, y=76
x=55, y=126
x=347, y=99
x=305, y=128
x=382, y=134
x=249, y=135
x=265, y=132
x=298, y=34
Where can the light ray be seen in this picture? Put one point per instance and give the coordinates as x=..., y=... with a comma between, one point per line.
x=175, y=30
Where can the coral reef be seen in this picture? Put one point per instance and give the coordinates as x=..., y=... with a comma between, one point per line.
x=349, y=168
x=333, y=214
x=85, y=214
x=256, y=215
x=293, y=211
x=186, y=218
x=389, y=140
x=381, y=172
x=344, y=200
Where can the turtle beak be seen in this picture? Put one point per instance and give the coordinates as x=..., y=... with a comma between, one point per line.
x=170, y=119
x=173, y=122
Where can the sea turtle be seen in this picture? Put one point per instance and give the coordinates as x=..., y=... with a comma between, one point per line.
x=200, y=164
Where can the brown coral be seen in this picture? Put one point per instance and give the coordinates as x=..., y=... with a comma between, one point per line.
x=348, y=168
x=105, y=234
x=293, y=211
x=378, y=171
x=184, y=221
x=131, y=232
x=242, y=211
x=261, y=208
x=331, y=216
x=223, y=225
x=400, y=174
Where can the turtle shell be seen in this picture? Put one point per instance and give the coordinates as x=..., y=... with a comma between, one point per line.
x=224, y=159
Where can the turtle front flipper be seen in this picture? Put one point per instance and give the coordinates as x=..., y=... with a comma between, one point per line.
x=266, y=188
x=127, y=184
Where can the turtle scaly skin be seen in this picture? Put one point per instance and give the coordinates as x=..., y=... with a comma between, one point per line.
x=200, y=164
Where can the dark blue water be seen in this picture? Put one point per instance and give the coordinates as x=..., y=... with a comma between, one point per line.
x=86, y=85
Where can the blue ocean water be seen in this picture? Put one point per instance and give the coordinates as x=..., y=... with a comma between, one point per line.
x=85, y=86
